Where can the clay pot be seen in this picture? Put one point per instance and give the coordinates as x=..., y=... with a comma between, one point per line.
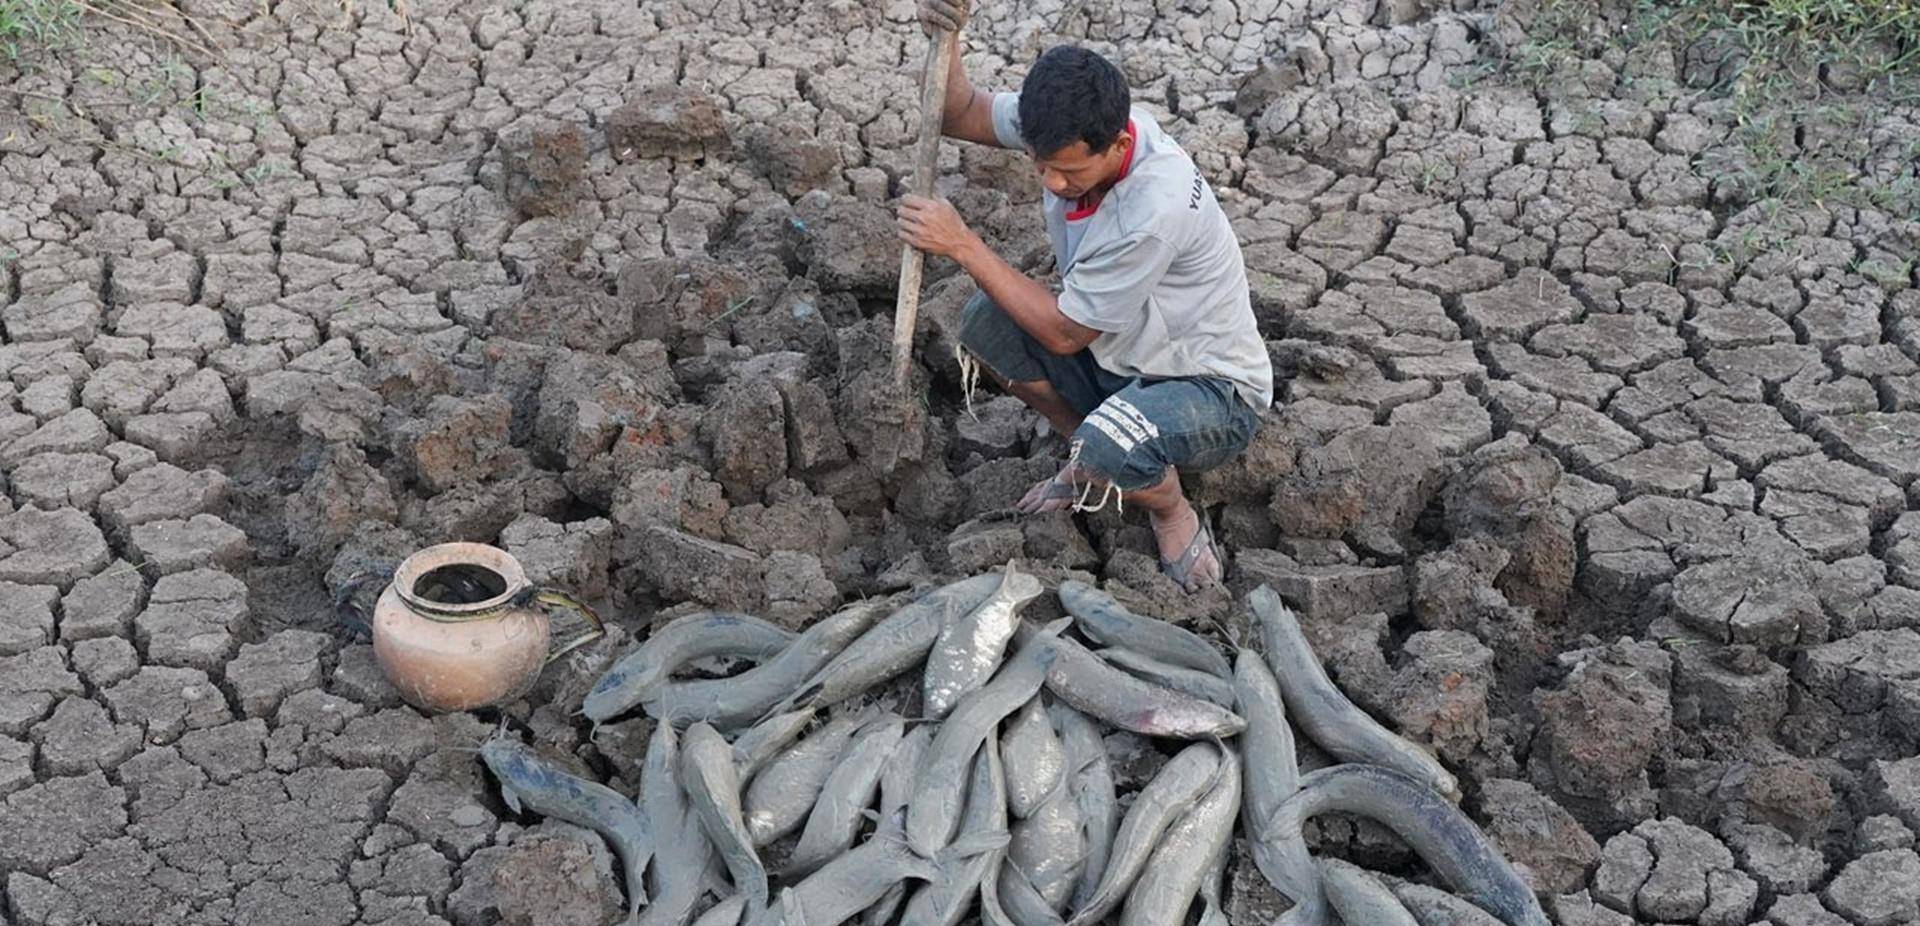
x=461, y=627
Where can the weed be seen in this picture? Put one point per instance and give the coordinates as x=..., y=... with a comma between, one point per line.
x=1471, y=75
x=53, y=25
x=1885, y=272
x=1539, y=61
x=1432, y=174
x=265, y=171
x=197, y=101
x=1803, y=39
x=733, y=307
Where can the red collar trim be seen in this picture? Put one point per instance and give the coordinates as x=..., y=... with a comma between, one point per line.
x=1083, y=207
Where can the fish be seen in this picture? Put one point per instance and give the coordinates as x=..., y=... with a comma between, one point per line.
x=966, y=651
x=529, y=782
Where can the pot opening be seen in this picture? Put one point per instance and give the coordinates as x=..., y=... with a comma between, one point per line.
x=460, y=583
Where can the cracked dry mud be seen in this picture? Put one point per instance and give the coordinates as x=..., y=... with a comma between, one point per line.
x=1592, y=471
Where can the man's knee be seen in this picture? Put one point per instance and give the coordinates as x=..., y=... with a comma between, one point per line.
x=982, y=323
x=992, y=337
x=1134, y=436
x=1121, y=446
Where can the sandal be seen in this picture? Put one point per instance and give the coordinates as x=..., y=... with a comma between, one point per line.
x=1181, y=570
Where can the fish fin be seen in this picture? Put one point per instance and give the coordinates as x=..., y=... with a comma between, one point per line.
x=1213, y=915
x=511, y=797
x=1220, y=744
x=972, y=844
x=805, y=697
x=791, y=913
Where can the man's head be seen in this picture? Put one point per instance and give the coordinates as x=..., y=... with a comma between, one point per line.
x=1073, y=117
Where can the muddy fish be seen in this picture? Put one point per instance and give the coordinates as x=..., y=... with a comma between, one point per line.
x=1173, y=791
x=849, y=788
x=724, y=913
x=779, y=798
x=934, y=812
x=1090, y=778
x=1427, y=821
x=1271, y=774
x=694, y=636
x=1360, y=897
x=1035, y=758
x=1166, y=889
x=1324, y=714
x=852, y=882
x=762, y=741
x=713, y=791
x=892, y=646
x=1434, y=907
x=896, y=788
x=1109, y=623
x=966, y=651
x=1118, y=699
x=946, y=899
x=532, y=783
x=1024, y=904
x=1203, y=685
x=1050, y=848
x=1213, y=912
x=679, y=876
x=735, y=701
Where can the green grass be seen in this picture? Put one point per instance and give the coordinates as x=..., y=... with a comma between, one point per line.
x=1877, y=37
x=1769, y=39
x=27, y=25
x=30, y=27
x=1803, y=79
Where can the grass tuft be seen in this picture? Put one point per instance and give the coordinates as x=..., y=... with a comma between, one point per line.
x=1877, y=36
x=26, y=25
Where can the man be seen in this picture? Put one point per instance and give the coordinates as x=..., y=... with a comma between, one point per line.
x=1148, y=360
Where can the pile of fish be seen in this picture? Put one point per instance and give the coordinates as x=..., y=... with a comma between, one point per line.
x=996, y=803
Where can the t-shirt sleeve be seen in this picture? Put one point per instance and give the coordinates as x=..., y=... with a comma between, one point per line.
x=1006, y=120
x=1107, y=290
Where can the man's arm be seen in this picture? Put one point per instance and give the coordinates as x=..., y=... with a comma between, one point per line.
x=1033, y=306
x=967, y=113
x=933, y=226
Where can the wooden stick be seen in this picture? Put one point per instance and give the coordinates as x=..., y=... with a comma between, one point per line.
x=933, y=103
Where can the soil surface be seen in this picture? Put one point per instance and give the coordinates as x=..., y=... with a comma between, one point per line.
x=1596, y=465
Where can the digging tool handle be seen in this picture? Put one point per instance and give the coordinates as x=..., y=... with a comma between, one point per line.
x=933, y=99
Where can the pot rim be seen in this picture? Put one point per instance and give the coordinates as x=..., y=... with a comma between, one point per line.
x=427, y=559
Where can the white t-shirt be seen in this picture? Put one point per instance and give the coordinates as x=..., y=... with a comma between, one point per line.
x=1155, y=267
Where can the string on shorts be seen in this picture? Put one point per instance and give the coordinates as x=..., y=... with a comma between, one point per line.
x=1110, y=491
x=969, y=377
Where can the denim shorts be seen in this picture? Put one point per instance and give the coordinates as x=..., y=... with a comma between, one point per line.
x=1133, y=427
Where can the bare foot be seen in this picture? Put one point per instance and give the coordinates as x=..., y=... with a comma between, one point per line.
x=1054, y=493
x=1175, y=535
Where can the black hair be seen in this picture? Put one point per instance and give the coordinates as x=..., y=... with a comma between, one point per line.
x=1072, y=94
